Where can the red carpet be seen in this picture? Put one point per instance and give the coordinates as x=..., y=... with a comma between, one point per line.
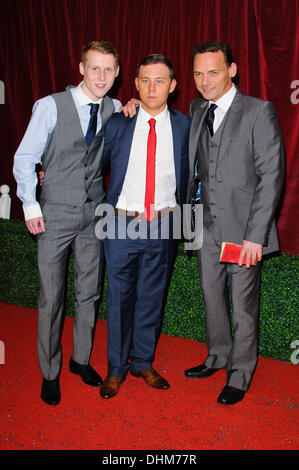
x=185, y=417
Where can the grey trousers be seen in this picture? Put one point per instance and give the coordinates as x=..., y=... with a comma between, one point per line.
x=237, y=353
x=66, y=227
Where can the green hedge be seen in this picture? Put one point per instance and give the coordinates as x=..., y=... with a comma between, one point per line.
x=184, y=312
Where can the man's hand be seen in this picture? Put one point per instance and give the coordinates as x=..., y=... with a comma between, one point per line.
x=252, y=252
x=41, y=175
x=36, y=225
x=130, y=108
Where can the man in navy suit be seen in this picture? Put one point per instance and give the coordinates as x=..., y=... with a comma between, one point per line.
x=149, y=167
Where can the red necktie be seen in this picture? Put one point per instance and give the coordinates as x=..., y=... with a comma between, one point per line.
x=150, y=171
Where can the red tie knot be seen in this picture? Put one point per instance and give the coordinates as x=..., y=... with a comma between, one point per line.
x=152, y=123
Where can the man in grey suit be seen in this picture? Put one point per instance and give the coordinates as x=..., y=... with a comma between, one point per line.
x=66, y=133
x=236, y=152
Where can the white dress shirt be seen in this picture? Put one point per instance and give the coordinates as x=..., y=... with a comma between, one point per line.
x=133, y=191
x=223, y=105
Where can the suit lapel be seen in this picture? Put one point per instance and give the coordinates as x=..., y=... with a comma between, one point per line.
x=232, y=122
x=177, y=144
x=197, y=120
x=126, y=145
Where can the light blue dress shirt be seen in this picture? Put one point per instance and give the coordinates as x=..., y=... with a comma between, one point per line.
x=32, y=146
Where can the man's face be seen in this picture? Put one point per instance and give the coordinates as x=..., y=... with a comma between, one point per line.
x=212, y=75
x=99, y=72
x=154, y=85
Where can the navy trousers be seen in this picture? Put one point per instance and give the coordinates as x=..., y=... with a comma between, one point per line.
x=138, y=271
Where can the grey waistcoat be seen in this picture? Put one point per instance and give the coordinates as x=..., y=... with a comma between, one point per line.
x=72, y=170
x=207, y=154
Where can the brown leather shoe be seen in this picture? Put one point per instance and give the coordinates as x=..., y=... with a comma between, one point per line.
x=110, y=386
x=152, y=378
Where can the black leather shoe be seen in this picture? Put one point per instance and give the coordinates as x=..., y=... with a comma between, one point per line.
x=86, y=372
x=230, y=395
x=50, y=393
x=200, y=372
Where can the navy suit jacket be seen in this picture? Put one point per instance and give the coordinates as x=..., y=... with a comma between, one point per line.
x=119, y=133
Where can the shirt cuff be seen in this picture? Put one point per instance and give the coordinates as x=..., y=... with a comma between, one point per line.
x=33, y=211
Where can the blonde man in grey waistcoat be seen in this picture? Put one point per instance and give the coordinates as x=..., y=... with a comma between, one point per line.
x=66, y=133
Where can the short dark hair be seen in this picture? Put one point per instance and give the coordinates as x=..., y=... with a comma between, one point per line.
x=157, y=59
x=214, y=46
x=104, y=47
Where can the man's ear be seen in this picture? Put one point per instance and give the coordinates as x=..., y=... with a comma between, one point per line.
x=136, y=83
x=233, y=70
x=81, y=68
x=172, y=85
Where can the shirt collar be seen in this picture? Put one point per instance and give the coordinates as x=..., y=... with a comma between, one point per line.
x=226, y=100
x=144, y=116
x=82, y=97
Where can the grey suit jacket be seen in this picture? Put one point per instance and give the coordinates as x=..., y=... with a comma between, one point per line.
x=249, y=170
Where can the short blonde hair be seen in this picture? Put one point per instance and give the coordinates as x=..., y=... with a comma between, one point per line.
x=101, y=46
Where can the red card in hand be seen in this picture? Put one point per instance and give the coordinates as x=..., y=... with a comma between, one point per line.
x=230, y=253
